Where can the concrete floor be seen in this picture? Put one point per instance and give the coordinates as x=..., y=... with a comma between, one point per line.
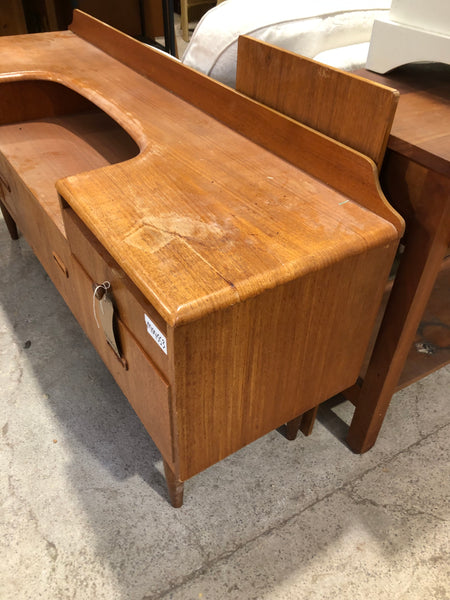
x=84, y=513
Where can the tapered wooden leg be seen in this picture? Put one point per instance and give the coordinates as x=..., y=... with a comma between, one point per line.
x=308, y=420
x=10, y=223
x=175, y=487
x=292, y=428
x=304, y=423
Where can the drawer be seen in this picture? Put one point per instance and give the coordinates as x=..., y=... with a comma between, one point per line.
x=5, y=190
x=11, y=189
x=131, y=305
x=141, y=381
x=42, y=229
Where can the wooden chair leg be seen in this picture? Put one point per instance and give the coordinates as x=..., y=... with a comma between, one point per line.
x=184, y=9
x=10, y=223
x=175, y=487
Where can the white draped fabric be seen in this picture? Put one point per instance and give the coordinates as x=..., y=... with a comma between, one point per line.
x=336, y=32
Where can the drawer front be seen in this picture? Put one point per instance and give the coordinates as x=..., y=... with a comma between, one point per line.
x=43, y=231
x=5, y=189
x=132, y=307
x=8, y=181
x=140, y=380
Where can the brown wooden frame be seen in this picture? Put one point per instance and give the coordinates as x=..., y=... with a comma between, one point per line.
x=241, y=235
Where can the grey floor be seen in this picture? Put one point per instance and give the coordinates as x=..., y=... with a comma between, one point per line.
x=84, y=513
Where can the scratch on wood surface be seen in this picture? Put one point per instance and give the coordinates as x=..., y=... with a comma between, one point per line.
x=157, y=232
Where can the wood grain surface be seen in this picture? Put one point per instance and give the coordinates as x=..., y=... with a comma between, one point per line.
x=343, y=168
x=416, y=178
x=258, y=246
x=231, y=221
x=299, y=87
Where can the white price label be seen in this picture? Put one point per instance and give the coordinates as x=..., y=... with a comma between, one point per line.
x=156, y=334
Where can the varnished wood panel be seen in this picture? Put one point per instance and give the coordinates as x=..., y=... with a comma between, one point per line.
x=358, y=113
x=154, y=20
x=423, y=195
x=339, y=166
x=245, y=371
x=431, y=347
x=42, y=151
x=226, y=238
x=186, y=217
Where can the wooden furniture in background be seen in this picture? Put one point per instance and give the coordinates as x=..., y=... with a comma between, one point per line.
x=416, y=179
x=12, y=18
x=51, y=13
x=125, y=16
x=153, y=18
x=46, y=15
x=245, y=281
x=143, y=19
x=185, y=6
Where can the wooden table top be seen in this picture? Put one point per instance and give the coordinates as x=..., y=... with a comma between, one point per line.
x=421, y=128
x=203, y=217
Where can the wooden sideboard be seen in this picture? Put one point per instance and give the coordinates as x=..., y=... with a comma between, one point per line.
x=226, y=261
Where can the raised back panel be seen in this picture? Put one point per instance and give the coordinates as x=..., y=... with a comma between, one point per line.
x=339, y=166
x=343, y=106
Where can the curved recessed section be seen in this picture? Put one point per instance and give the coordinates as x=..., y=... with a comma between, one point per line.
x=48, y=102
x=49, y=132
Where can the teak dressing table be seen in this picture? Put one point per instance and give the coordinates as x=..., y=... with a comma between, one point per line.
x=226, y=261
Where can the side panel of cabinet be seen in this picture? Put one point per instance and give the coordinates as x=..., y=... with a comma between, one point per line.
x=245, y=371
